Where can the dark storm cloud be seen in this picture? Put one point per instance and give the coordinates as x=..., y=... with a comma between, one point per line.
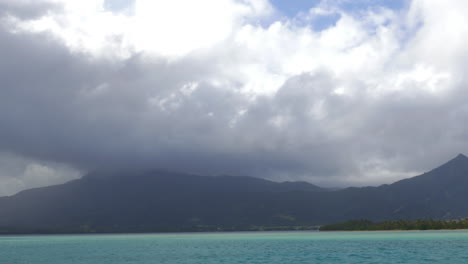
x=63, y=107
x=89, y=112
x=70, y=108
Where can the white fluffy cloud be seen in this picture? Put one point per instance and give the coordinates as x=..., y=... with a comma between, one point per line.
x=161, y=28
x=229, y=87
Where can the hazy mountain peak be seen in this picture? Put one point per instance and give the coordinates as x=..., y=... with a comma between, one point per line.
x=456, y=168
x=459, y=160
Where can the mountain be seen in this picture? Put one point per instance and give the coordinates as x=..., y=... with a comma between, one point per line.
x=439, y=194
x=159, y=201
x=167, y=201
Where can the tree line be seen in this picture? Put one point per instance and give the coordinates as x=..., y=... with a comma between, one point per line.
x=366, y=225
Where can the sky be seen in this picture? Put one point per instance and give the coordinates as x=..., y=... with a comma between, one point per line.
x=333, y=92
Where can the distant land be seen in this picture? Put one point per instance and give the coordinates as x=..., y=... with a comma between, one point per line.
x=162, y=201
x=366, y=225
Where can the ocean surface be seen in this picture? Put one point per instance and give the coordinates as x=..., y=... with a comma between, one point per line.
x=249, y=247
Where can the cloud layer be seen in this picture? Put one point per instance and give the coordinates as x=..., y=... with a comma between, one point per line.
x=230, y=87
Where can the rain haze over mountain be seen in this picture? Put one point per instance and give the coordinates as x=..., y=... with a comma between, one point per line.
x=336, y=93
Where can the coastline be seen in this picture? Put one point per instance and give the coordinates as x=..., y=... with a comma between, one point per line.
x=226, y=232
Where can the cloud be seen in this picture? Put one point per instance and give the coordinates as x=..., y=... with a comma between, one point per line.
x=231, y=89
x=26, y=9
x=19, y=173
x=159, y=28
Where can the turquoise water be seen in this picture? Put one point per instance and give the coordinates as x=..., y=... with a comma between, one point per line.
x=255, y=247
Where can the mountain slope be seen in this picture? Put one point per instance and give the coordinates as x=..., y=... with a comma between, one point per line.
x=152, y=201
x=439, y=194
x=165, y=201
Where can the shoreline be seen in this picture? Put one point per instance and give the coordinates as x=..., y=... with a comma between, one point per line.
x=396, y=230
x=221, y=232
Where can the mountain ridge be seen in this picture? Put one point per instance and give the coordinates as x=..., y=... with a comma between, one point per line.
x=169, y=201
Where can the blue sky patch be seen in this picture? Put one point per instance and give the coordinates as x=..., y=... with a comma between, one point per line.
x=118, y=5
x=296, y=8
x=291, y=8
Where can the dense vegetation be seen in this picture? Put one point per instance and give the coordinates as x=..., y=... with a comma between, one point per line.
x=366, y=225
